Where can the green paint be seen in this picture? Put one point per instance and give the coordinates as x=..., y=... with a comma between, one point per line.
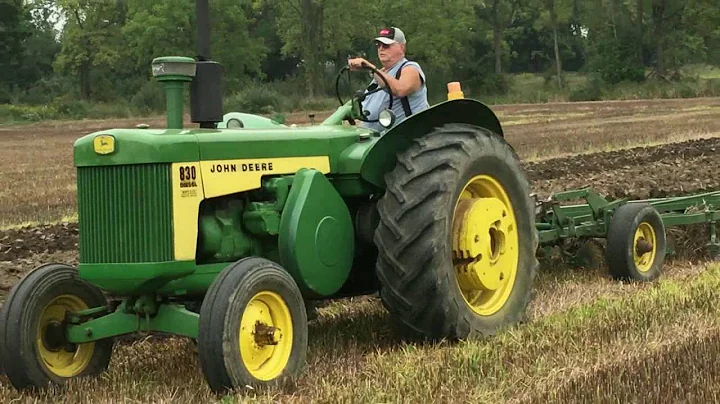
x=381, y=159
x=592, y=219
x=174, y=103
x=139, y=146
x=221, y=235
x=125, y=214
x=264, y=143
x=263, y=218
x=316, y=235
x=170, y=318
x=198, y=282
x=174, y=72
x=134, y=278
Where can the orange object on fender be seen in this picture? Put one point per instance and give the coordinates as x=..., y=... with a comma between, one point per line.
x=454, y=91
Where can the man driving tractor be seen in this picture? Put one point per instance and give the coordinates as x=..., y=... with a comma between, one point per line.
x=406, y=79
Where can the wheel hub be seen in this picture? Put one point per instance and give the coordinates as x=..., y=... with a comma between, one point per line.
x=644, y=247
x=266, y=335
x=53, y=338
x=480, y=234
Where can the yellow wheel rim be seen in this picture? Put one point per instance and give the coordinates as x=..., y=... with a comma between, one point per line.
x=644, y=247
x=485, y=245
x=266, y=336
x=59, y=357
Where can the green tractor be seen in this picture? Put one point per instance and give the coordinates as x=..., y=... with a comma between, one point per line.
x=225, y=233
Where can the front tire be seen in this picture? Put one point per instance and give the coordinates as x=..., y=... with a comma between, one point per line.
x=34, y=350
x=253, y=327
x=457, y=236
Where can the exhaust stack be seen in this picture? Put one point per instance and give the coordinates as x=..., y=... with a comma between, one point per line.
x=206, y=89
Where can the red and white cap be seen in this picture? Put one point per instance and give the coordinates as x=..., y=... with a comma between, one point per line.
x=390, y=36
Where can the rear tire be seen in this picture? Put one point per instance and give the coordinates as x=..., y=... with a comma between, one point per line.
x=253, y=327
x=428, y=276
x=627, y=257
x=33, y=348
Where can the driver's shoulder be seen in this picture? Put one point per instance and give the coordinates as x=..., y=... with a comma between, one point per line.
x=412, y=65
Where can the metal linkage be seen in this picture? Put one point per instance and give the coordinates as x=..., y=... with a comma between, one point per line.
x=555, y=221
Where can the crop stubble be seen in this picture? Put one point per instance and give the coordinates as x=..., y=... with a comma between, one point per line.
x=536, y=131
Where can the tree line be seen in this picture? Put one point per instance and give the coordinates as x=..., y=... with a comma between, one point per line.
x=101, y=49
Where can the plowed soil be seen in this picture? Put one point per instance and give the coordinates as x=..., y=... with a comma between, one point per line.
x=644, y=172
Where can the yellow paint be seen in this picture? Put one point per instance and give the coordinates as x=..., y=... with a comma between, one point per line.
x=644, y=260
x=58, y=360
x=187, y=193
x=485, y=245
x=266, y=336
x=104, y=144
x=207, y=181
x=224, y=177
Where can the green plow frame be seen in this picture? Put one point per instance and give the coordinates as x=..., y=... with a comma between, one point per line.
x=556, y=220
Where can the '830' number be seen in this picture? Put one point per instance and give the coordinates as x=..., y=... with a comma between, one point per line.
x=187, y=173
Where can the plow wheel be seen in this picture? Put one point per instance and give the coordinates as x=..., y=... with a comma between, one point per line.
x=457, y=236
x=636, y=243
x=253, y=326
x=34, y=349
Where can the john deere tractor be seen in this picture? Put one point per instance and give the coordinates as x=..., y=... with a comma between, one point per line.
x=226, y=231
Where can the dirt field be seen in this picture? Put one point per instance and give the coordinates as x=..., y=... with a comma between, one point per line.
x=365, y=359
x=38, y=175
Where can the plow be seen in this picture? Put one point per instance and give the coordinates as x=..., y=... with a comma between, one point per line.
x=226, y=233
x=634, y=230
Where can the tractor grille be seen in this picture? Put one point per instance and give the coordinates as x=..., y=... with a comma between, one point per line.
x=125, y=213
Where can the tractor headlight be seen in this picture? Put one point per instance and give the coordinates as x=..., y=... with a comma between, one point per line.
x=235, y=124
x=386, y=118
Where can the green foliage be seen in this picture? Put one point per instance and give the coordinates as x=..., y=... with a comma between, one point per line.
x=283, y=55
x=254, y=99
x=615, y=60
x=26, y=113
x=150, y=98
x=591, y=91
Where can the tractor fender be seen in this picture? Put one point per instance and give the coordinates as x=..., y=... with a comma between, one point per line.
x=382, y=156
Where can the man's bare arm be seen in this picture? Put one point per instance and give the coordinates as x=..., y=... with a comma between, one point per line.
x=408, y=83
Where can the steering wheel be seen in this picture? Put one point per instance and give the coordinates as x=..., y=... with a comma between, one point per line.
x=360, y=94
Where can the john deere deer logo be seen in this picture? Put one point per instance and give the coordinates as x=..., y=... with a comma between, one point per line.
x=104, y=144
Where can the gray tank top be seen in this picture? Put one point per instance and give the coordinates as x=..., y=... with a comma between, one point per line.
x=380, y=100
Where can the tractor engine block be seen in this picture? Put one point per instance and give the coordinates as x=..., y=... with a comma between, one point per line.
x=236, y=226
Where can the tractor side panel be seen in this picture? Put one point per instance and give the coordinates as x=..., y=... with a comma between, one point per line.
x=382, y=157
x=224, y=177
x=317, y=237
x=187, y=186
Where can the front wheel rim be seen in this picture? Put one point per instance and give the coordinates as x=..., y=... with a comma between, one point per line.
x=60, y=357
x=266, y=336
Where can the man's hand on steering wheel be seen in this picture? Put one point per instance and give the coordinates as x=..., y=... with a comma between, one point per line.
x=356, y=64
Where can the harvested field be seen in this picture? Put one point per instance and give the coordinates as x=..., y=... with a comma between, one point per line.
x=589, y=338
x=38, y=181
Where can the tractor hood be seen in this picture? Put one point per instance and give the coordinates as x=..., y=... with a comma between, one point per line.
x=144, y=146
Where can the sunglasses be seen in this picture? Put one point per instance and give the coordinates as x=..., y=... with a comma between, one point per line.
x=382, y=45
